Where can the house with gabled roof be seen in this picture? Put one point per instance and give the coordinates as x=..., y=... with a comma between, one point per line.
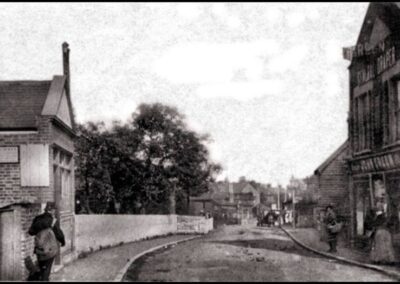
x=233, y=201
x=331, y=180
x=37, y=132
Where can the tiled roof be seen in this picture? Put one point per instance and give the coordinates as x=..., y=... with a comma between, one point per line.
x=21, y=102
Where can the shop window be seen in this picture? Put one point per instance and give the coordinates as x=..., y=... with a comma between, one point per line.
x=393, y=199
x=363, y=205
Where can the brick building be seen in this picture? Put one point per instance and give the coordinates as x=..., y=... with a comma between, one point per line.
x=374, y=118
x=36, y=165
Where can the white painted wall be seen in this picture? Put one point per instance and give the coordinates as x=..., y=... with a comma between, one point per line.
x=194, y=224
x=93, y=231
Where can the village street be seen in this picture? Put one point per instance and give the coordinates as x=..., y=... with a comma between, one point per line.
x=235, y=253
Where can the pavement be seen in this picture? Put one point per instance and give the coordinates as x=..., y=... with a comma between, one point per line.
x=309, y=238
x=110, y=264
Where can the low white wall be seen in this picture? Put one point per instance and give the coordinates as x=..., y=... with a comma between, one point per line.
x=194, y=224
x=93, y=231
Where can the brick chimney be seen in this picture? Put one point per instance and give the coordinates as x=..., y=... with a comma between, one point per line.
x=65, y=53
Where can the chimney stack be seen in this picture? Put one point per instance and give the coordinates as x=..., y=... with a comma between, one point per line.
x=65, y=52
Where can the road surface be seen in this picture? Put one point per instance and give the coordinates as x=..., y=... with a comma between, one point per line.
x=235, y=253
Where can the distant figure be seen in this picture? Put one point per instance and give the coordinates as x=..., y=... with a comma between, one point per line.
x=382, y=251
x=48, y=234
x=330, y=221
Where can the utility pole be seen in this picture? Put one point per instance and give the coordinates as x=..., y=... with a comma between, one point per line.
x=294, y=210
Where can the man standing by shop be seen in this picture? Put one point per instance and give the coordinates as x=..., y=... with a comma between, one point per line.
x=48, y=234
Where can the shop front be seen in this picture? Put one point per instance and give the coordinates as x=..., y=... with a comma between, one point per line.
x=375, y=185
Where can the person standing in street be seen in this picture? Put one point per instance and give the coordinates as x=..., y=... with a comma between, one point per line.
x=330, y=221
x=48, y=236
x=382, y=251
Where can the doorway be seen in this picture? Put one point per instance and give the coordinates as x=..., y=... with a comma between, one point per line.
x=8, y=247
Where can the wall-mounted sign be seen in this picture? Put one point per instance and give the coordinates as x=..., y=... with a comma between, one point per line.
x=8, y=155
x=385, y=162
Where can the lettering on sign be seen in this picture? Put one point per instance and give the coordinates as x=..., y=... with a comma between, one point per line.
x=376, y=59
x=385, y=162
x=8, y=155
x=386, y=60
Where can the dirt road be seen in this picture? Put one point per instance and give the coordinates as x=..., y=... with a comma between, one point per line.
x=235, y=253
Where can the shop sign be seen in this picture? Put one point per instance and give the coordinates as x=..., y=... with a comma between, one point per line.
x=385, y=162
x=8, y=155
x=382, y=57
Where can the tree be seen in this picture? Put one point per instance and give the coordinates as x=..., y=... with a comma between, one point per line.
x=175, y=158
x=94, y=189
x=147, y=165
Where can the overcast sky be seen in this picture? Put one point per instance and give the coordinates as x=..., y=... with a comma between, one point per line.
x=267, y=81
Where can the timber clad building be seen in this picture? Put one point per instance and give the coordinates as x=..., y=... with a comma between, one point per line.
x=374, y=118
x=331, y=179
x=36, y=165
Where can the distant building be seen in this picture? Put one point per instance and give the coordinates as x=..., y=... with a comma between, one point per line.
x=230, y=201
x=37, y=132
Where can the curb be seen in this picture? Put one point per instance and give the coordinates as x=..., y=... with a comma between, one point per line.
x=393, y=274
x=122, y=272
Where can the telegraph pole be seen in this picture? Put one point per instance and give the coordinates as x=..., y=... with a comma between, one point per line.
x=294, y=210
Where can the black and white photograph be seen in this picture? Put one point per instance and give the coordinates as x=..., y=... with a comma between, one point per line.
x=200, y=141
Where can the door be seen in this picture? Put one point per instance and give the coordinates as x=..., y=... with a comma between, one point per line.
x=7, y=246
x=57, y=192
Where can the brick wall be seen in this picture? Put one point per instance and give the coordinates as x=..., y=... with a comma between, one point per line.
x=10, y=189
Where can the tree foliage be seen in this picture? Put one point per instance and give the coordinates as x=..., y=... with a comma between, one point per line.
x=145, y=161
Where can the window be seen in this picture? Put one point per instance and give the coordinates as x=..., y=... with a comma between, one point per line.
x=370, y=120
x=377, y=118
x=355, y=125
x=385, y=112
x=362, y=204
x=361, y=102
x=397, y=110
x=63, y=178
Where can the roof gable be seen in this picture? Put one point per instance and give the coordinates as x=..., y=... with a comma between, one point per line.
x=379, y=32
x=21, y=102
x=388, y=14
x=331, y=158
x=58, y=102
x=63, y=110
